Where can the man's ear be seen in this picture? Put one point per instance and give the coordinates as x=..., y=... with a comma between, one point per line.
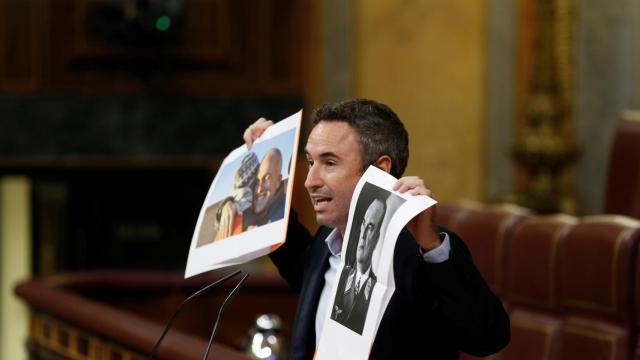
x=384, y=163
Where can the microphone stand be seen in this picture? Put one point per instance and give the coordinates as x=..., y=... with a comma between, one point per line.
x=187, y=300
x=226, y=301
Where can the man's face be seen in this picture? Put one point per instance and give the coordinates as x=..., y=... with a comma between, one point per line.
x=369, y=234
x=267, y=182
x=335, y=166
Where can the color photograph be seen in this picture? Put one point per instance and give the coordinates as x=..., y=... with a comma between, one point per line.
x=250, y=191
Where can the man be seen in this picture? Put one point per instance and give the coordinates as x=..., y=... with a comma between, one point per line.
x=357, y=282
x=268, y=198
x=268, y=195
x=438, y=289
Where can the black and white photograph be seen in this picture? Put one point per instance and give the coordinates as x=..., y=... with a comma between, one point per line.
x=364, y=281
x=374, y=208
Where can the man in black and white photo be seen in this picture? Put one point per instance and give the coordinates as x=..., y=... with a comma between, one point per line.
x=357, y=280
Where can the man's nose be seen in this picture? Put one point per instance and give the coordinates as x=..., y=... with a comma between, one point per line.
x=259, y=186
x=313, y=180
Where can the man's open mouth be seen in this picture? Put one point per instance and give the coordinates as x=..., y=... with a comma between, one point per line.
x=320, y=200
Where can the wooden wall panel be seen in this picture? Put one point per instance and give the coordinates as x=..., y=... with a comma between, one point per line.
x=220, y=47
x=20, y=45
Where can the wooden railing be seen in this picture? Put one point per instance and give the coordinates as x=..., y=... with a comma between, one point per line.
x=120, y=314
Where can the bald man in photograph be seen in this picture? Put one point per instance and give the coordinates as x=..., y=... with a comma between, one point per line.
x=269, y=193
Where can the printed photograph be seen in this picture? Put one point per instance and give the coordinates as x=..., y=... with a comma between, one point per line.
x=374, y=208
x=250, y=191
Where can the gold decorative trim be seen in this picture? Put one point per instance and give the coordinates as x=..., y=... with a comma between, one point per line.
x=612, y=219
x=545, y=149
x=467, y=204
x=74, y=343
x=563, y=26
x=510, y=208
x=553, y=218
x=631, y=115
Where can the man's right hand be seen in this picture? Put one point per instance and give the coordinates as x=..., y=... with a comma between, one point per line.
x=255, y=130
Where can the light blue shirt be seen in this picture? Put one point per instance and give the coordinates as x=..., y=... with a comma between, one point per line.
x=334, y=242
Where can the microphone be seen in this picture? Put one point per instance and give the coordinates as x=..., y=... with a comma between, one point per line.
x=226, y=301
x=187, y=300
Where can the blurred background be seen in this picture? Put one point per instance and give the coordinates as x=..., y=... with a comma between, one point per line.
x=115, y=114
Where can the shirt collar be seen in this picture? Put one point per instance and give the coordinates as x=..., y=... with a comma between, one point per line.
x=366, y=273
x=334, y=242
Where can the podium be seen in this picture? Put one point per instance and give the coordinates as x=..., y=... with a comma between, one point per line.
x=119, y=315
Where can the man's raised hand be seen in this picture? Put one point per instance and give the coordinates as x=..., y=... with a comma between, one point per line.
x=254, y=131
x=423, y=226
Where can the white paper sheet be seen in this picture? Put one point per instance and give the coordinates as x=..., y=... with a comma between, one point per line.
x=254, y=233
x=348, y=333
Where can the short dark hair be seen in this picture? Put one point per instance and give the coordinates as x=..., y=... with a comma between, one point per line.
x=381, y=131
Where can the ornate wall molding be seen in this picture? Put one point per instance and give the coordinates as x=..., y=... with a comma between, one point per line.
x=545, y=149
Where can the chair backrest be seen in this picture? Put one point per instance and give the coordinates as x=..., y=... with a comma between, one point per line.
x=531, y=261
x=622, y=195
x=636, y=300
x=448, y=213
x=484, y=230
x=531, y=289
x=595, y=268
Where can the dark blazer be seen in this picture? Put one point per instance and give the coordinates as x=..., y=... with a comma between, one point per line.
x=350, y=307
x=436, y=311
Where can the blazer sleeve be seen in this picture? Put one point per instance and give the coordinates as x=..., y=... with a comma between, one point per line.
x=290, y=257
x=472, y=316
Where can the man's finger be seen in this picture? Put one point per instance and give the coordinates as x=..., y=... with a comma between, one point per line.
x=408, y=184
x=254, y=131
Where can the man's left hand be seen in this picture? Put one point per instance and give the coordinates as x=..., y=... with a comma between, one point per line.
x=423, y=226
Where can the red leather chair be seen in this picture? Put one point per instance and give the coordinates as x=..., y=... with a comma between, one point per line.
x=484, y=230
x=637, y=304
x=623, y=180
x=531, y=289
x=595, y=268
x=448, y=213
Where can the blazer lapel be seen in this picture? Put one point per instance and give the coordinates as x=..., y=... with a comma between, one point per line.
x=349, y=295
x=303, y=342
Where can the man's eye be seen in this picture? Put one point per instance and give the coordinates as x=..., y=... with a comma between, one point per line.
x=309, y=162
x=331, y=163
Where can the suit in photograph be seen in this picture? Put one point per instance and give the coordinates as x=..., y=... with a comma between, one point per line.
x=352, y=299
